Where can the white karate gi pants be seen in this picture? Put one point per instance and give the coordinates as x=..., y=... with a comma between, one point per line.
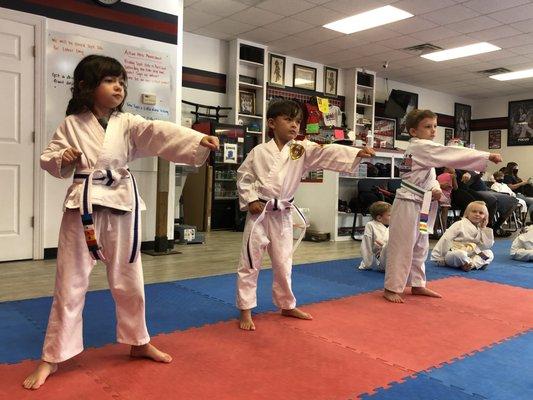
x=457, y=258
x=407, y=248
x=274, y=234
x=74, y=264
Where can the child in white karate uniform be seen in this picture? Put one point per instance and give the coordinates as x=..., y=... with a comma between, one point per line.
x=267, y=181
x=375, y=237
x=522, y=247
x=101, y=218
x=415, y=205
x=467, y=243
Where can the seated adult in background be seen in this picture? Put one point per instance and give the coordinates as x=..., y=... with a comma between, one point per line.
x=522, y=188
x=471, y=182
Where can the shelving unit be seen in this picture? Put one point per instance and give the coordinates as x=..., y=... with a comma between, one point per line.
x=360, y=102
x=250, y=60
x=322, y=198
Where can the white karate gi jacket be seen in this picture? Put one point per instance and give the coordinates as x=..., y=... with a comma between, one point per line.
x=465, y=232
x=522, y=247
x=371, y=252
x=126, y=138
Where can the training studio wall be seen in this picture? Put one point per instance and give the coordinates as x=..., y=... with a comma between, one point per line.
x=146, y=172
x=497, y=107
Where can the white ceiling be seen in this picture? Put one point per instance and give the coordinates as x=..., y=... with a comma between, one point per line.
x=294, y=27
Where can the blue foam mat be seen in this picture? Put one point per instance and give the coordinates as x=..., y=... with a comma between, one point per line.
x=502, y=372
x=420, y=388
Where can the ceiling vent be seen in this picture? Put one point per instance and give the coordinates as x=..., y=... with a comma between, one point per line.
x=494, y=71
x=424, y=48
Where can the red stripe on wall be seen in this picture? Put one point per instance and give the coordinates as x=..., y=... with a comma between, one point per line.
x=109, y=14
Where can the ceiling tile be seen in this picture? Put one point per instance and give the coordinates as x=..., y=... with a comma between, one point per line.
x=524, y=26
x=434, y=34
x=319, y=35
x=286, y=7
x=228, y=26
x=514, y=14
x=488, y=6
x=261, y=35
x=514, y=41
x=256, y=16
x=417, y=7
x=193, y=19
x=214, y=35
x=351, y=7
x=495, y=33
x=222, y=8
x=318, y=16
x=410, y=25
x=527, y=49
x=400, y=42
x=474, y=24
x=289, y=26
x=450, y=15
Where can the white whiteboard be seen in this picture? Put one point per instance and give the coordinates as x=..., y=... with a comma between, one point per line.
x=149, y=72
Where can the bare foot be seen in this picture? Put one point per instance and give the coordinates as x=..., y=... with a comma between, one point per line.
x=245, y=320
x=296, y=313
x=466, y=267
x=37, y=377
x=150, y=351
x=392, y=297
x=424, y=291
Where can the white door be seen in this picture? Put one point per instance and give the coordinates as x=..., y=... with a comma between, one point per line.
x=17, y=76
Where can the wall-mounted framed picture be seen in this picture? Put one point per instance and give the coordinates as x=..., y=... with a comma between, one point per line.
x=448, y=135
x=411, y=101
x=331, y=77
x=277, y=70
x=304, y=77
x=462, y=117
x=520, y=131
x=384, y=132
x=495, y=139
x=246, y=102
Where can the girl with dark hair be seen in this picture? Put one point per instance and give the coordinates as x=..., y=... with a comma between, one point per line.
x=523, y=189
x=101, y=219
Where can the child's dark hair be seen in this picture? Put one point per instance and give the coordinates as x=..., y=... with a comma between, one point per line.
x=414, y=117
x=284, y=107
x=91, y=70
x=379, y=208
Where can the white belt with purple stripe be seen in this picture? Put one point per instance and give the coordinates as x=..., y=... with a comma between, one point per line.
x=423, y=225
x=107, y=177
x=277, y=205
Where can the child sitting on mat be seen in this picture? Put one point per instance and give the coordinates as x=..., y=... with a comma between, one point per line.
x=375, y=237
x=466, y=244
x=522, y=247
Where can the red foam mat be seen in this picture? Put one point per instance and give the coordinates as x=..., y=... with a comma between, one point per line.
x=353, y=346
x=424, y=332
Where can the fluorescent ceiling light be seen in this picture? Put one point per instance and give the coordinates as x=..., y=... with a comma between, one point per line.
x=526, y=73
x=463, y=51
x=369, y=19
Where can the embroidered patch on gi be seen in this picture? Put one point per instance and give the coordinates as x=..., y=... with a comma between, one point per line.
x=296, y=151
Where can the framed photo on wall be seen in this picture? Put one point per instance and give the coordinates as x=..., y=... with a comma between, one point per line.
x=462, y=117
x=246, y=102
x=520, y=131
x=412, y=103
x=448, y=135
x=331, y=76
x=304, y=77
x=495, y=139
x=277, y=70
x=384, y=132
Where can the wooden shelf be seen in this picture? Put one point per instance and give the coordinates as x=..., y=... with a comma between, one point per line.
x=365, y=87
x=251, y=116
x=250, y=85
x=251, y=63
x=364, y=105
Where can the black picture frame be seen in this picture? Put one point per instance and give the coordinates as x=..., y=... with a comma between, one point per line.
x=401, y=130
x=331, y=81
x=495, y=139
x=276, y=75
x=448, y=135
x=462, y=118
x=305, y=73
x=520, y=130
x=246, y=102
